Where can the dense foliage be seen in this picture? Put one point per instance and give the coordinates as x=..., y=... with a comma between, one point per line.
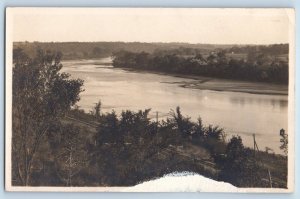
x=131, y=148
x=41, y=96
x=262, y=64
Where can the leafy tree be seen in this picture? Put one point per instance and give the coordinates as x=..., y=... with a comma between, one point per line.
x=235, y=148
x=215, y=140
x=199, y=131
x=215, y=132
x=184, y=125
x=41, y=96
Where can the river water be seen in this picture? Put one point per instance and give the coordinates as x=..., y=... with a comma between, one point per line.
x=237, y=112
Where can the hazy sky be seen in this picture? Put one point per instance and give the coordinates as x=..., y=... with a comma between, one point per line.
x=219, y=26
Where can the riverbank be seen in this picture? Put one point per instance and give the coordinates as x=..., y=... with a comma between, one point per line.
x=217, y=84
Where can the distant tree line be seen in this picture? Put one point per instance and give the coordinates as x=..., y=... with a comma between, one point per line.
x=94, y=50
x=275, y=49
x=259, y=64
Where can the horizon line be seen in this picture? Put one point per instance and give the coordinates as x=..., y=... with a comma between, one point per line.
x=154, y=42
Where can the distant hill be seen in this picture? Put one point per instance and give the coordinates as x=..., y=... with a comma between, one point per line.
x=84, y=50
x=88, y=50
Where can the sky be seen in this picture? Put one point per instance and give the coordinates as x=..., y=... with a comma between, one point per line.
x=209, y=26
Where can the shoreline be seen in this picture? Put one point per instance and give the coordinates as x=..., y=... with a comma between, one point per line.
x=210, y=83
x=219, y=84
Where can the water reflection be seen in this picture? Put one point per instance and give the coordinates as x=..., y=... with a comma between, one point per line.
x=262, y=101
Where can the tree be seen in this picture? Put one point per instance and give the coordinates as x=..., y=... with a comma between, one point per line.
x=239, y=167
x=235, y=148
x=184, y=124
x=41, y=96
x=108, y=129
x=199, y=129
x=70, y=156
x=216, y=133
x=215, y=140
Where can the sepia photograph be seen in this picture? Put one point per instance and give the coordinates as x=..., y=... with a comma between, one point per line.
x=149, y=99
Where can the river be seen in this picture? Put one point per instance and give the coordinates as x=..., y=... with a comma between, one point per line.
x=237, y=112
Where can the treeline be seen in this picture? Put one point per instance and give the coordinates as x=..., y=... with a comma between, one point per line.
x=272, y=50
x=275, y=49
x=254, y=66
x=91, y=50
x=94, y=50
